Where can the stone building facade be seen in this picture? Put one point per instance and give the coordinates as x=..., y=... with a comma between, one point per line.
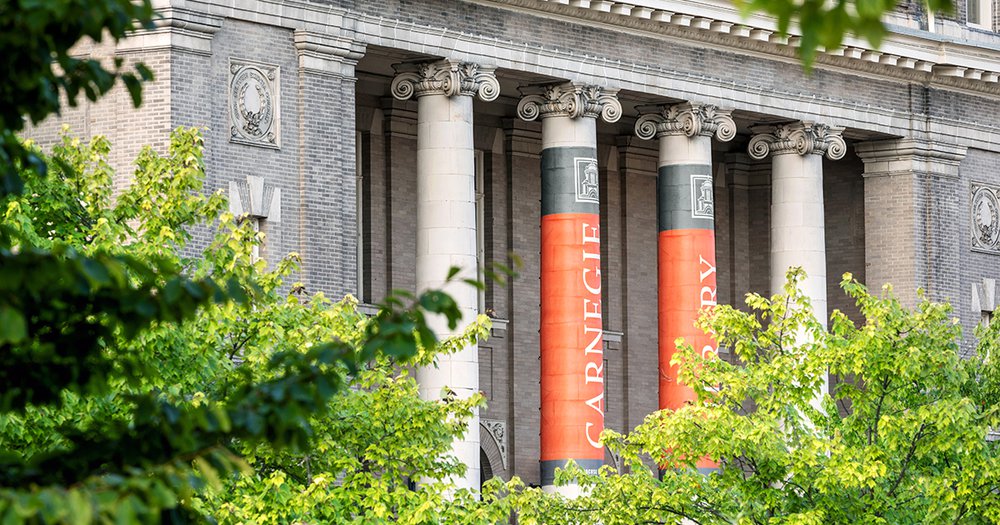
x=384, y=141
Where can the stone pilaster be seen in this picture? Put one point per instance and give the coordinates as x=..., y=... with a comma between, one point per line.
x=749, y=191
x=637, y=166
x=686, y=266
x=446, y=217
x=328, y=186
x=522, y=146
x=571, y=332
x=905, y=245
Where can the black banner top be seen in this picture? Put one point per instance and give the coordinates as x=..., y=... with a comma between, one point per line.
x=684, y=198
x=570, y=180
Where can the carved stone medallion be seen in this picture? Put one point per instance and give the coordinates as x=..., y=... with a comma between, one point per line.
x=985, y=218
x=253, y=103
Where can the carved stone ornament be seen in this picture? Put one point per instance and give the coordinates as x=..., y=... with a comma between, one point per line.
x=254, y=103
x=687, y=119
x=569, y=100
x=702, y=198
x=984, y=296
x=255, y=198
x=985, y=218
x=802, y=138
x=444, y=77
x=497, y=430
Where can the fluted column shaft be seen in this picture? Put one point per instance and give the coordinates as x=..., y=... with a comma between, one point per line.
x=571, y=328
x=446, y=219
x=686, y=273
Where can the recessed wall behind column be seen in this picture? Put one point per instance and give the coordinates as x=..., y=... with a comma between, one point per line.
x=844, y=215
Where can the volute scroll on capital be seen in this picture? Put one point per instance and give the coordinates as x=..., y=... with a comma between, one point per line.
x=802, y=138
x=687, y=119
x=444, y=77
x=569, y=99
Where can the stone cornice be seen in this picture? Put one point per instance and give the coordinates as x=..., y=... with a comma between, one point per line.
x=687, y=119
x=326, y=53
x=569, y=99
x=906, y=53
x=661, y=80
x=177, y=28
x=444, y=77
x=905, y=156
x=800, y=138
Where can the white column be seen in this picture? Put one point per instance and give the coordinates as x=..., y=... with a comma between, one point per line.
x=446, y=218
x=798, y=233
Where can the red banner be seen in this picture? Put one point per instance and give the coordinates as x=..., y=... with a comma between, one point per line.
x=572, y=346
x=687, y=284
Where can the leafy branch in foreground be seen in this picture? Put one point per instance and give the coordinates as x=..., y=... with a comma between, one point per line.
x=135, y=402
x=824, y=24
x=41, y=73
x=901, y=439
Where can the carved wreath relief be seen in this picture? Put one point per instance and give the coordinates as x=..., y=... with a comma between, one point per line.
x=587, y=189
x=985, y=218
x=253, y=103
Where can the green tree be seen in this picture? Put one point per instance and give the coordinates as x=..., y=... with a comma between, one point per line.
x=376, y=439
x=120, y=396
x=902, y=439
x=40, y=73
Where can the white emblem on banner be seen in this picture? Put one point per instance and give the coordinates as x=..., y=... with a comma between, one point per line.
x=587, y=188
x=702, y=202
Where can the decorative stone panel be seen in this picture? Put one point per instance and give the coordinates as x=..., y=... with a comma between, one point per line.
x=985, y=215
x=984, y=297
x=497, y=430
x=254, y=102
x=256, y=199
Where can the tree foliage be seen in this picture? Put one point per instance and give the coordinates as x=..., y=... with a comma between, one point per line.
x=824, y=24
x=902, y=438
x=41, y=74
x=136, y=404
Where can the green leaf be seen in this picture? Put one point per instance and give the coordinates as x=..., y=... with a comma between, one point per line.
x=13, y=328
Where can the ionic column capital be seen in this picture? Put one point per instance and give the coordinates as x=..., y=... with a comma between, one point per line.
x=569, y=99
x=444, y=77
x=802, y=138
x=687, y=119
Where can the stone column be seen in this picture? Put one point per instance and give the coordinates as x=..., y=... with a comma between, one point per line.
x=446, y=217
x=686, y=239
x=798, y=233
x=572, y=346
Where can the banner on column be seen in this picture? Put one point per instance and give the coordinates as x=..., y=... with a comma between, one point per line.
x=687, y=272
x=572, y=342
